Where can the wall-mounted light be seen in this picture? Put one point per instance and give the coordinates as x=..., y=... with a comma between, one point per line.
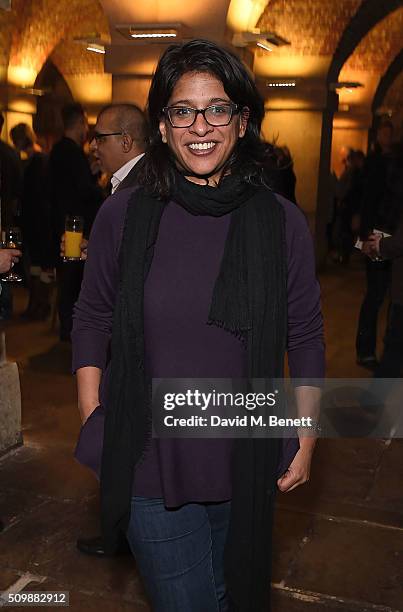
x=264, y=46
x=255, y=36
x=346, y=85
x=95, y=48
x=34, y=91
x=383, y=110
x=152, y=32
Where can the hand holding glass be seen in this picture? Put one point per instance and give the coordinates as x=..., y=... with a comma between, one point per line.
x=73, y=237
x=12, y=240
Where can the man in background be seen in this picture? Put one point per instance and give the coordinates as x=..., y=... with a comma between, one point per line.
x=10, y=193
x=73, y=191
x=7, y=258
x=119, y=140
x=374, y=216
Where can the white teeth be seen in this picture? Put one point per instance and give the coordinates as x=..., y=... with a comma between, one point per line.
x=201, y=145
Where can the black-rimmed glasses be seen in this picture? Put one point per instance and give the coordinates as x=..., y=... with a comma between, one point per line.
x=216, y=115
x=99, y=136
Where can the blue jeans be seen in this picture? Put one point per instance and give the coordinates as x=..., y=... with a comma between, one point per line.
x=179, y=554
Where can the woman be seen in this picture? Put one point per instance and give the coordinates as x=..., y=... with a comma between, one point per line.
x=204, y=273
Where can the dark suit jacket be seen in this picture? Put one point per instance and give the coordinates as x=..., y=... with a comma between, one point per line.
x=392, y=248
x=10, y=183
x=131, y=179
x=73, y=189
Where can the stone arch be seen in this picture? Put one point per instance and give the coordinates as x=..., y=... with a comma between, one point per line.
x=366, y=17
x=369, y=14
x=392, y=73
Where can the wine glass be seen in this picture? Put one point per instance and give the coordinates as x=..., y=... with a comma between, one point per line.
x=13, y=240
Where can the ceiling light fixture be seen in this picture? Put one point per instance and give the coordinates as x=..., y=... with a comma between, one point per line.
x=151, y=32
x=95, y=48
x=154, y=35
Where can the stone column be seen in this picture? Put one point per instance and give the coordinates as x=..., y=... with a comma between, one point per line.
x=10, y=402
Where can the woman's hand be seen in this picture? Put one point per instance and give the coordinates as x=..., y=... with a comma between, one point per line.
x=299, y=469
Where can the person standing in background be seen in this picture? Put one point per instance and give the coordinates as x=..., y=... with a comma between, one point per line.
x=390, y=248
x=373, y=217
x=35, y=222
x=10, y=192
x=73, y=191
x=118, y=144
x=7, y=258
x=119, y=141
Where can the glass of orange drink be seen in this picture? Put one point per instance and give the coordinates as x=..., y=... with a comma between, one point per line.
x=73, y=236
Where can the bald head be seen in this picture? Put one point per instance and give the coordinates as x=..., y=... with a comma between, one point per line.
x=121, y=134
x=127, y=118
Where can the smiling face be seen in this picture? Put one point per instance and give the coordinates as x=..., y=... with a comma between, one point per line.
x=201, y=150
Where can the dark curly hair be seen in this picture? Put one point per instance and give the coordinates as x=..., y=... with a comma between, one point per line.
x=249, y=157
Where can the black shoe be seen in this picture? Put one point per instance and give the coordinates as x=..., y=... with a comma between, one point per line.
x=95, y=547
x=1, y=526
x=370, y=362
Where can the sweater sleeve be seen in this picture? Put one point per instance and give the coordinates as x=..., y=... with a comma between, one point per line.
x=305, y=343
x=93, y=311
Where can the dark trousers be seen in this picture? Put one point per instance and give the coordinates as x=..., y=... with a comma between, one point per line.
x=391, y=363
x=6, y=301
x=69, y=277
x=378, y=279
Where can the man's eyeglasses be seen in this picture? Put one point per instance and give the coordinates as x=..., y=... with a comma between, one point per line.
x=99, y=137
x=216, y=115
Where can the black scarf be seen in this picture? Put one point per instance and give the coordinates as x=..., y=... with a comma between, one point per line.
x=250, y=300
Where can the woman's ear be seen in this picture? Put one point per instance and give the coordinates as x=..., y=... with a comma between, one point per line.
x=243, y=122
x=163, y=130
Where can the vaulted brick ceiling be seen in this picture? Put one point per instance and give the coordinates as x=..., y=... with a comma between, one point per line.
x=39, y=28
x=313, y=27
x=377, y=50
x=372, y=56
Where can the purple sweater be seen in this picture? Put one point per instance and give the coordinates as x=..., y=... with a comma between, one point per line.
x=178, y=341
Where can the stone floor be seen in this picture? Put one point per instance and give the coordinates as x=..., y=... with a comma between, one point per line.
x=338, y=539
